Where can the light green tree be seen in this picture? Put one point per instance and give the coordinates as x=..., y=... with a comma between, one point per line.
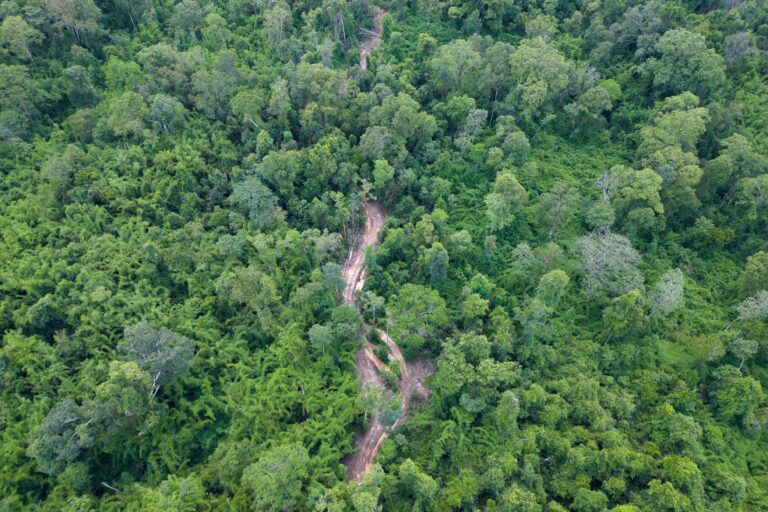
x=17, y=36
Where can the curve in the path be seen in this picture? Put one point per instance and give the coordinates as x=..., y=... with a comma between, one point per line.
x=374, y=41
x=368, y=365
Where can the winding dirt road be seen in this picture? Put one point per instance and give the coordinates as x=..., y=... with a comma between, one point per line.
x=368, y=365
x=371, y=44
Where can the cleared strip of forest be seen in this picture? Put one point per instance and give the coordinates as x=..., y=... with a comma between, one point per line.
x=371, y=44
x=368, y=365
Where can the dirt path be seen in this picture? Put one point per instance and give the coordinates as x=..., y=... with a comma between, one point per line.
x=371, y=44
x=368, y=365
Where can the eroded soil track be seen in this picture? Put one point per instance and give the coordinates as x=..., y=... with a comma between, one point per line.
x=375, y=40
x=368, y=365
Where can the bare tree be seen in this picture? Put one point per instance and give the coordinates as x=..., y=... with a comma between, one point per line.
x=753, y=308
x=609, y=262
x=667, y=295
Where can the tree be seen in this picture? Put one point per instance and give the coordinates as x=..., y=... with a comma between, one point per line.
x=737, y=160
x=473, y=124
x=63, y=434
x=540, y=75
x=551, y=287
x=336, y=11
x=19, y=95
x=753, y=308
x=124, y=400
x=80, y=90
x=372, y=303
x=373, y=396
x=17, y=36
x=212, y=89
x=401, y=115
x=738, y=47
x=609, y=263
x=450, y=65
x=739, y=347
x=667, y=294
x=663, y=497
x=475, y=347
x=281, y=169
x=320, y=337
x=686, y=64
x=247, y=105
x=121, y=75
x=505, y=200
x=253, y=288
x=543, y=26
x=517, y=146
x=76, y=16
x=415, y=484
x=438, y=263
x=187, y=15
x=415, y=315
x=675, y=432
x=134, y=9
x=176, y=493
x=474, y=307
x=586, y=500
x=215, y=32
x=377, y=143
x=383, y=174
x=557, y=207
x=589, y=107
x=496, y=74
x=168, y=67
x=754, y=277
x=275, y=481
x=624, y=315
x=126, y=115
x=684, y=474
x=258, y=201
x=516, y=498
x=334, y=278
x=166, y=113
x=59, y=170
x=277, y=22
x=600, y=215
x=162, y=353
x=533, y=319
x=753, y=195
x=629, y=189
x=638, y=31
x=679, y=123
x=736, y=395
x=280, y=102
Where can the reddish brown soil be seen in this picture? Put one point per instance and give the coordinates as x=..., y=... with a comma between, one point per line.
x=368, y=365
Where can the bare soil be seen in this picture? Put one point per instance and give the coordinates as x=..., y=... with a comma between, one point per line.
x=371, y=44
x=368, y=365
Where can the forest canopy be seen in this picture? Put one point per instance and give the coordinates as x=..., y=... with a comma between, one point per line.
x=575, y=250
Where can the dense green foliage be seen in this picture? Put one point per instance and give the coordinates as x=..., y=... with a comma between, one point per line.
x=577, y=240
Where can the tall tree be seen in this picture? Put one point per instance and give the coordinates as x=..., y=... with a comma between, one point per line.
x=686, y=64
x=609, y=262
x=161, y=352
x=187, y=16
x=505, y=201
x=17, y=36
x=76, y=16
x=275, y=482
x=540, y=75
